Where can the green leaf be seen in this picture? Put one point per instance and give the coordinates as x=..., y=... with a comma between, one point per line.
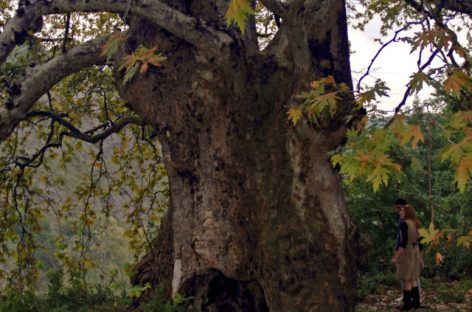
x=130, y=73
x=110, y=48
x=178, y=299
x=336, y=159
x=379, y=89
x=136, y=291
x=417, y=80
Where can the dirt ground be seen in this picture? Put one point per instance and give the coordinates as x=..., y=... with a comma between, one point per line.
x=451, y=296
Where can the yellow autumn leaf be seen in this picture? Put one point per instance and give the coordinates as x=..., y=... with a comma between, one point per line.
x=362, y=123
x=146, y=53
x=329, y=80
x=465, y=240
x=364, y=97
x=383, y=169
x=450, y=238
x=464, y=171
x=144, y=68
x=429, y=235
x=129, y=61
x=453, y=152
x=364, y=158
x=156, y=59
x=238, y=11
x=416, y=135
x=294, y=115
x=315, y=84
x=457, y=81
x=461, y=119
x=439, y=258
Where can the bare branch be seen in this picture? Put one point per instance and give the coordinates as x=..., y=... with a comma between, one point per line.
x=372, y=61
x=408, y=90
x=85, y=136
x=434, y=16
x=72, y=131
x=41, y=79
x=186, y=27
x=66, y=33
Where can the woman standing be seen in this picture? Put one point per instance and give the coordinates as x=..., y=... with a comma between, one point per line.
x=407, y=257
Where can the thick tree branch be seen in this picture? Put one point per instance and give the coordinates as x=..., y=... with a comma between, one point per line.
x=461, y=6
x=186, y=27
x=276, y=7
x=15, y=32
x=42, y=78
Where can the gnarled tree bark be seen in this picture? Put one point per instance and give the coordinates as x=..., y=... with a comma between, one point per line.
x=257, y=219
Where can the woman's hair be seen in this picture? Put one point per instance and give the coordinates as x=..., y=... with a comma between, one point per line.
x=410, y=213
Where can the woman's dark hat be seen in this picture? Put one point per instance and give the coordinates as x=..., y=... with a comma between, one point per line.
x=400, y=202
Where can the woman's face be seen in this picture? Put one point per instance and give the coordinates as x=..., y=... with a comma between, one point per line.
x=402, y=213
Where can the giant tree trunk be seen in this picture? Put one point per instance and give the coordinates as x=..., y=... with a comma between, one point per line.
x=257, y=219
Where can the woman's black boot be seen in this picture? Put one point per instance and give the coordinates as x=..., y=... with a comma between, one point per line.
x=415, y=294
x=406, y=300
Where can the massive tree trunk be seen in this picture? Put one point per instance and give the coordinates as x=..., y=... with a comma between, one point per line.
x=257, y=219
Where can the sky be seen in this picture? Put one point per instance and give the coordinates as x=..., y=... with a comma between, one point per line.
x=394, y=65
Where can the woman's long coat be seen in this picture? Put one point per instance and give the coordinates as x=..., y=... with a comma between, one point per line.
x=408, y=265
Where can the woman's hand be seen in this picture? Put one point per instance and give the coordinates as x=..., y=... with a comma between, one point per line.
x=394, y=260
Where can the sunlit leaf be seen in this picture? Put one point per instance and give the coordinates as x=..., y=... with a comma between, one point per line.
x=429, y=235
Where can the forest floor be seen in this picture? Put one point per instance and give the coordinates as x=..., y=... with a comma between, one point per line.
x=440, y=296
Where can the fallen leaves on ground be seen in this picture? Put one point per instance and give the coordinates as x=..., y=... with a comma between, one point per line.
x=441, y=296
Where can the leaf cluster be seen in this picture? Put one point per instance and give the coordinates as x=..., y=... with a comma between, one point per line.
x=140, y=59
x=322, y=98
